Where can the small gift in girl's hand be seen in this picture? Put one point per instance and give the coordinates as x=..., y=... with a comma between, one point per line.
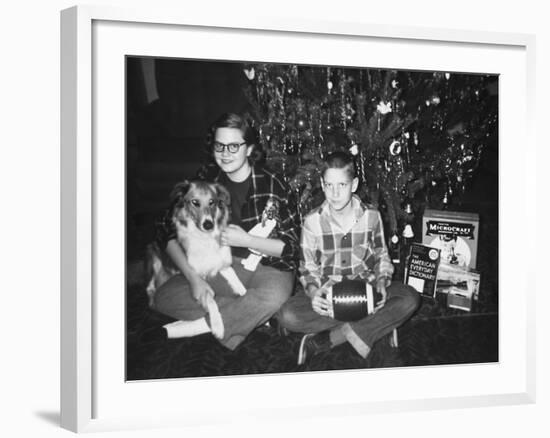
x=262, y=229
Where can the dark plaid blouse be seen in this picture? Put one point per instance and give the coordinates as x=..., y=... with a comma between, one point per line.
x=264, y=187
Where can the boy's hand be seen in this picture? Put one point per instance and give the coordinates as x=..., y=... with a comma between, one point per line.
x=319, y=303
x=381, y=288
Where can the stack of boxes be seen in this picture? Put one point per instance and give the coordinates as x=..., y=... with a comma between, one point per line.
x=455, y=235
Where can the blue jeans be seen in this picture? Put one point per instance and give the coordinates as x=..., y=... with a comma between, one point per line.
x=267, y=290
x=297, y=315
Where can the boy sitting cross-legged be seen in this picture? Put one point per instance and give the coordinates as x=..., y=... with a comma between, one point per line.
x=344, y=239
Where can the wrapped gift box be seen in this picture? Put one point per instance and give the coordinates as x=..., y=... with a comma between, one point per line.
x=459, y=280
x=454, y=233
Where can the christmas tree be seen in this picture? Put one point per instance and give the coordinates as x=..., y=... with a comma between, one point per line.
x=417, y=137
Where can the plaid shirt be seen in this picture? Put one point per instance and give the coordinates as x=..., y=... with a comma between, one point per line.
x=264, y=187
x=330, y=254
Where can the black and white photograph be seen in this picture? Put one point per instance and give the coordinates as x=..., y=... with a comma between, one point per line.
x=286, y=218
x=318, y=219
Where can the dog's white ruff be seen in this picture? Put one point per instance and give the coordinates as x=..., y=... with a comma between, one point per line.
x=207, y=257
x=204, y=252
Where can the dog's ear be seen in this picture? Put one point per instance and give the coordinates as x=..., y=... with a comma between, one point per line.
x=223, y=195
x=179, y=191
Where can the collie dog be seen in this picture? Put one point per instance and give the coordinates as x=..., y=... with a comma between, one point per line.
x=200, y=212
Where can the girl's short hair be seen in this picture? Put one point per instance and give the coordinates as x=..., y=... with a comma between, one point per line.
x=236, y=121
x=339, y=160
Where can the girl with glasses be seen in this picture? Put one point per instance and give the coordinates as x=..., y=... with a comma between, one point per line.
x=256, y=193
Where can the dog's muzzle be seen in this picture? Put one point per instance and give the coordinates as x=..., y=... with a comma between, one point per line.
x=207, y=225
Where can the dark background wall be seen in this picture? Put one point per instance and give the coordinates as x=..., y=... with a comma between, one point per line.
x=170, y=104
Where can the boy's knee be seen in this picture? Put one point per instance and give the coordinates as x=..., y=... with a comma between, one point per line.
x=411, y=299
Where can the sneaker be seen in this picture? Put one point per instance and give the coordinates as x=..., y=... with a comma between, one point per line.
x=394, y=341
x=312, y=344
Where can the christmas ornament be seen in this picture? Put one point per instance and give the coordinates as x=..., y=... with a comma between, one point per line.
x=408, y=208
x=408, y=232
x=354, y=150
x=249, y=73
x=395, y=148
x=394, y=249
x=384, y=108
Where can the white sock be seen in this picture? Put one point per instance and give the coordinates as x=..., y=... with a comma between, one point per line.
x=216, y=322
x=187, y=329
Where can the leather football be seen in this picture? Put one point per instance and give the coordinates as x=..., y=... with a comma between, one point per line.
x=351, y=300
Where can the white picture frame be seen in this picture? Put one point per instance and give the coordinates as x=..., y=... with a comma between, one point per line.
x=93, y=396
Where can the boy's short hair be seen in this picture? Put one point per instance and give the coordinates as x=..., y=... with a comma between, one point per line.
x=339, y=160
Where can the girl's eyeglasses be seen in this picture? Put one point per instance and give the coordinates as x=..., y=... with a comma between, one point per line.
x=231, y=147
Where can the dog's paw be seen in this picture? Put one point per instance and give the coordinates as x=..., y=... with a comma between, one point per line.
x=234, y=281
x=239, y=289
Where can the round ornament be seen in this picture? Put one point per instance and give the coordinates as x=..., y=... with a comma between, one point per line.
x=395, y=148
x=354, y=150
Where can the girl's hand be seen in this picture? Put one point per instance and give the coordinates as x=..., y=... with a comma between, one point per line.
x=235, y=236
